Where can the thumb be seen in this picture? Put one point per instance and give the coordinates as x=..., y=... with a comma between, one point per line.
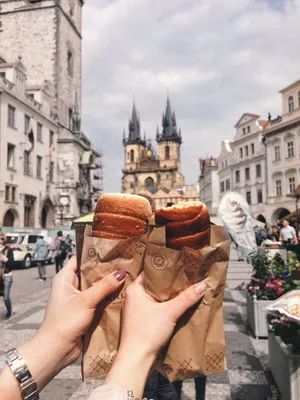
x=186, y=299
x=103, y=288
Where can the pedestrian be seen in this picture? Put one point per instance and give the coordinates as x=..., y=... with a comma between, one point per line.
x=59, y=251
x=40, y=253
x=200, y=386
x=69, y=246
x=6, y=262
x=288, y=234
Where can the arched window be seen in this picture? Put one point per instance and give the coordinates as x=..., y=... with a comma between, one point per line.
x=291, y=104
x=70, y=63
x=131, y=185
x=131, y=155
x=149, y=183
x=299, y=98
x=167, y=153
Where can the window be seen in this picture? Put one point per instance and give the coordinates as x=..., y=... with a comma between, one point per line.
x=51, y=138
x=241, y=152
x=247, y=173
x=248, y=197
x=10, y=156
x=291, y=103
x=290, y=149
x=38, y=166
x=277, y=153
x=167, y=153
x=70, y=63
x=70, y=119
x=258, y=171
x=227, y=184
x=248, y=127
x=39, y=132
x=252, y=148
x=259, y=196
x=51, y=171
x=278, y=188
x=13, y=194
x=222, y=187
x=244, y=131
x=292, y=186
x=237, y=176
x=11, y=116
x=131, y=155
x=246, y=151
x=26, y=162
x=26, y=124
x=7, y=191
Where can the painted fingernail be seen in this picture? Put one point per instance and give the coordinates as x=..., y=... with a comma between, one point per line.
x=200, y=288
x=120, y=274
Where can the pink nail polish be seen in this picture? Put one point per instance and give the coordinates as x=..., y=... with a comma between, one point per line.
x=120, y=274
x=200, y=288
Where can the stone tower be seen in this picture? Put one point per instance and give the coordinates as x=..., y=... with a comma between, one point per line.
x=47, y=34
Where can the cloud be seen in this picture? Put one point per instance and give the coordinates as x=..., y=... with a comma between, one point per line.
x=217, y=59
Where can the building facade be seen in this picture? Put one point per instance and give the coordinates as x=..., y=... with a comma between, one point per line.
x=249, y=176
x=155, y=174
x=27, y=160
x=282, y=140
x=47, y=34
x=225, y=167
x=209, y=184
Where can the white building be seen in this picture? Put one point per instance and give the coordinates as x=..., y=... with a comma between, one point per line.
x=48, y=36
x=225, y=167
x=248, y=163
x=282, y=139
x=209, y=184
x=27, y=168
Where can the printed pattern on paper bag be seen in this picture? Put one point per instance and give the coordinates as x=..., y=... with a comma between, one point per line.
x=92, y=253
x=124, y=250
x=159, y=261
x=166, y=368
x=140, y=247
x=184, y=370
x=214, y=361
x=99, y=364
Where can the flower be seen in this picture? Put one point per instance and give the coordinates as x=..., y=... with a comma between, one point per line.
x=279, y=291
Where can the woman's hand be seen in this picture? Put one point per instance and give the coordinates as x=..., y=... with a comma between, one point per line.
x=147, y=326
x=58, y=341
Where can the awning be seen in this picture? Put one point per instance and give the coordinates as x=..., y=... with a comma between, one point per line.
x=85, y=220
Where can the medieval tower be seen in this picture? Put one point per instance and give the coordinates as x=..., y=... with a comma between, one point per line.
x=155, y=176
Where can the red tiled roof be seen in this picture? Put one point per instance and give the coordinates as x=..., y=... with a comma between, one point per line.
x=281, y=124
x=6, y=65
x=251, y=114
x=262, y=122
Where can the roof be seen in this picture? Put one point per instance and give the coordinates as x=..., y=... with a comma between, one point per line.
x=281, y=124
x=249, y=115
x=208, y=161
x=6, y=65
x=262, y=122
x=290, y=86
x=33, y=87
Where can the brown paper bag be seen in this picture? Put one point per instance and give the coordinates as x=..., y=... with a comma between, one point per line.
x=198, y=344
x=99, y=258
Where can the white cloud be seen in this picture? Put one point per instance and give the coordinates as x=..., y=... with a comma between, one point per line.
x=218, y=59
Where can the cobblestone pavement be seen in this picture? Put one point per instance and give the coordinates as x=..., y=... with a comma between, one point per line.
x=246, y=378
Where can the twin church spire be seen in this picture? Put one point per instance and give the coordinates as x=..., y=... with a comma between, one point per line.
x=169, y=128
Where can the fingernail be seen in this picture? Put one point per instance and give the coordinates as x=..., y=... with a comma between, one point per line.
x=200, y=288
x=120, y=274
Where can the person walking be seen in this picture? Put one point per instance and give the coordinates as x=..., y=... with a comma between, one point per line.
x=6, y=262
x=288, y=234
x=59, y=251
x=40, y=253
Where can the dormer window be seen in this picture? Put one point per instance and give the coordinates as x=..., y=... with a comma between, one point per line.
x=291, y=104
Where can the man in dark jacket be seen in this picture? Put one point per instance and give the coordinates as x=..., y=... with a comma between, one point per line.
x=6, y=262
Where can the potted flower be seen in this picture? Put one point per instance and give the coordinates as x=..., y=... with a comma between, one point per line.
x=270, y=280
x=284, y=355
x=294, y=266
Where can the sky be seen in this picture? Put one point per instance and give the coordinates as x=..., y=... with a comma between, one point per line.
x=216, y=58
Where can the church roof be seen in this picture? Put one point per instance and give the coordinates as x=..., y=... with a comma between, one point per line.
x=134, y=128
x=169, y=125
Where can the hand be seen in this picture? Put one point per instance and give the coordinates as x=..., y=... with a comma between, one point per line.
x=4, y=258
x=147, y=326
x=58, y=341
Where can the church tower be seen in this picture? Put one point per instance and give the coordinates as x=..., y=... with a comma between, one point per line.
x=134, y=146
x=47, y=34
x=169, y=140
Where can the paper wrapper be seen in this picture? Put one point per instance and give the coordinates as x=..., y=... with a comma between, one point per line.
x=198, y=344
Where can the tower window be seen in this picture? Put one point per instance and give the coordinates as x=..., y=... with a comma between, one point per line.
x=149, y=183
x=167, y=153
x=70, y=118
x=70, y=63
x=291, y=104
x=131, y=155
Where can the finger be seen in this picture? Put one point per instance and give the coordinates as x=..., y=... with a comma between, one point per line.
x=71, y=265
x=140, y=280
x=103, y=288
x=180, y=304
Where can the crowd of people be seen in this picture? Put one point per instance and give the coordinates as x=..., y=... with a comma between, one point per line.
x=285, y=234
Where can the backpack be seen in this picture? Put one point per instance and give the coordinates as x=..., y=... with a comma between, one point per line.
x=63, y=248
